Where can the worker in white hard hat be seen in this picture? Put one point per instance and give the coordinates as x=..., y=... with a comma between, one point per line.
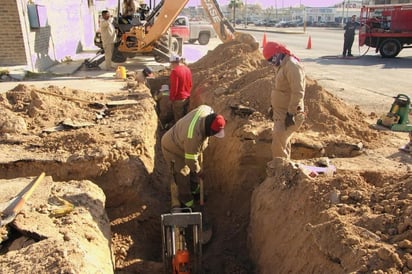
x=164, y=106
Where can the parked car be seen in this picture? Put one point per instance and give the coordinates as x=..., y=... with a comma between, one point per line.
x=286, y=24
x=192, y=31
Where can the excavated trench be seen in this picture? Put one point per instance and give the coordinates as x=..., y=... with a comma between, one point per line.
x=263, y=218
x=136, y=197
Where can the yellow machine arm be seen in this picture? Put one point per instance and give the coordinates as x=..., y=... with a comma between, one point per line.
x=223, y=28
x=152, y=37
x=170, y=9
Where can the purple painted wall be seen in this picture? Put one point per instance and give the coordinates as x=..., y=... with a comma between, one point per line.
x=69, y=29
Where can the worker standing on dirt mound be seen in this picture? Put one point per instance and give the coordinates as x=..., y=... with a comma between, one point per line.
x=286, y=97
x=180, y=86
x=108, y=34
x=183, y=145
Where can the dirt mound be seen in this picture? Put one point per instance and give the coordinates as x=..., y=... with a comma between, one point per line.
x=237, y=165
x=75, y=135
x=352, y=222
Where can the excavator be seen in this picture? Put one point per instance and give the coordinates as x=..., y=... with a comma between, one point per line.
x=151, y=36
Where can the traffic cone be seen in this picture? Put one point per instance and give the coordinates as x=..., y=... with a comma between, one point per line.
x=264, y=40
x=309, y=46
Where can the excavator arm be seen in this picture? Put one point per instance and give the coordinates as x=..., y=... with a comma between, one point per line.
x=169, y=10
x=223, y=28
x=152, y=36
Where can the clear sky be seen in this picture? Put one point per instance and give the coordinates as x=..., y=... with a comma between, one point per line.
x=279, y=3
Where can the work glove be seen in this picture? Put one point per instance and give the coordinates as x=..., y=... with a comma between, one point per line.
x=289, y=120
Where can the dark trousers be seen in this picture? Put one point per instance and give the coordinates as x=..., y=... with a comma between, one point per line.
x=347, y=45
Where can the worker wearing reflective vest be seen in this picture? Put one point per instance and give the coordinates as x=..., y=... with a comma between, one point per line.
x=287, y=98
x=182, y=147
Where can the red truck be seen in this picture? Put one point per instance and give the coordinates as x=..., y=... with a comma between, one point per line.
x=191, y=31
x=387, y=28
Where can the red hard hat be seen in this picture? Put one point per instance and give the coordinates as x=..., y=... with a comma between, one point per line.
x=273, y=48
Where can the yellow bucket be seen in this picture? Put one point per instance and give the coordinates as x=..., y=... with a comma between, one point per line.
x=121, y=72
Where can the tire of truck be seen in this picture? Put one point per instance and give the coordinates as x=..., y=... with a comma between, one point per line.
x=192, y=41
x=204, y=38
x=390, y=48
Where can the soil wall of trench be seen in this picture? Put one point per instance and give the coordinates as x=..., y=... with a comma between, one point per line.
x=266, y=219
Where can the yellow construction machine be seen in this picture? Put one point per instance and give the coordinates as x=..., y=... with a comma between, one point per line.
x=149, y=34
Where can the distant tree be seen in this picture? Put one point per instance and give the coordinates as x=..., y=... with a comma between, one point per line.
x=233, y=5
x=255, y=9
x=269, y=13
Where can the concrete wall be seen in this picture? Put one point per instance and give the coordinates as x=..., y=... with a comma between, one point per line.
x=12, y=49
x=69, y=29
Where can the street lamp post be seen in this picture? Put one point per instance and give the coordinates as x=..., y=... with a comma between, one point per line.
x=245, y=13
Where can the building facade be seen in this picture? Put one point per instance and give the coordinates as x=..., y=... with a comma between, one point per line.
x=38, y=34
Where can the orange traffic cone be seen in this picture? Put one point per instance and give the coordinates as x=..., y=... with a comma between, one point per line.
x=309, y=46
x=264, y=40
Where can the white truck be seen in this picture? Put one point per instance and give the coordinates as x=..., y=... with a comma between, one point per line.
x=192, y=31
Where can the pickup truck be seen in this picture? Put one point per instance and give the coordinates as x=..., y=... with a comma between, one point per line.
x=191, y=31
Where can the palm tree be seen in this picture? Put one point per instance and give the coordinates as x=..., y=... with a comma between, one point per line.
x=233, y=4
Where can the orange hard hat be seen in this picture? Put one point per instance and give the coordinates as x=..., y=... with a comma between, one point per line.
x=273, y=48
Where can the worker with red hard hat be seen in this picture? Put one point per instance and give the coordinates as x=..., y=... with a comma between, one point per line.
x=286, y=97
x=183, y=145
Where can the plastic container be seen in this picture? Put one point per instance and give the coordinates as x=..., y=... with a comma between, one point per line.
x=121, y=72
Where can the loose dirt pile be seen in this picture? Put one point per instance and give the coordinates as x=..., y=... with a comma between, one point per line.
x=356, y=220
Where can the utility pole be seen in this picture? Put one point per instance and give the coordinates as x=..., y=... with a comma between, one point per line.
x=245, y=13
x=343, y=11
x=347, y=9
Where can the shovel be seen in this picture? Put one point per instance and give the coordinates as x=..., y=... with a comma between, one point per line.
x=11, y=211
x=207, y=231
x=94, y=105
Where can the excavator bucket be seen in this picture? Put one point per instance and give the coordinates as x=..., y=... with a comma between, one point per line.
x=246, y=38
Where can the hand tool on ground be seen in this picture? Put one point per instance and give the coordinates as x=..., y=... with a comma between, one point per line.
x=11, y=211
x=94, y=105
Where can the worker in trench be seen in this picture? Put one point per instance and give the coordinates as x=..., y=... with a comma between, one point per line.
x=183, y=146
x=286, y=99
x=164, y=106
x=180, y=86
x=142, y=76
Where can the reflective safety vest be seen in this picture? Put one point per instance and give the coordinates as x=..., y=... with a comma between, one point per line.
x=189, y=136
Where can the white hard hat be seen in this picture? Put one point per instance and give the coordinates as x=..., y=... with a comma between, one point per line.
x=164, y=88
x=174, y=58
